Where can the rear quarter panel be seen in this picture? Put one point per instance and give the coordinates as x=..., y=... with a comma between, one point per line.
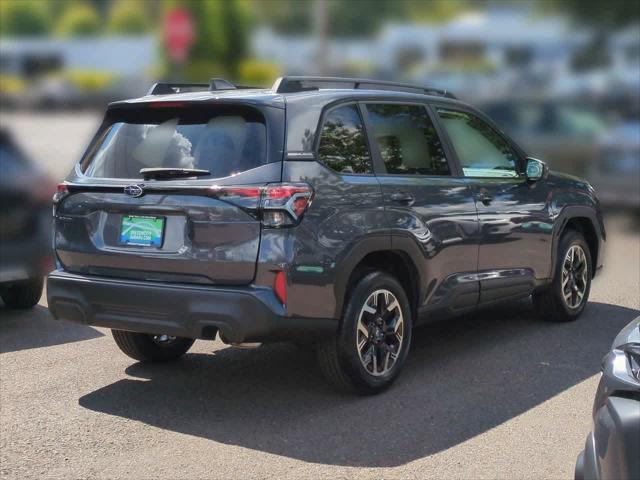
x=345, y=220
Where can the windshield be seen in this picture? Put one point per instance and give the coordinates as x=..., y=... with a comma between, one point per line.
x=225, y=143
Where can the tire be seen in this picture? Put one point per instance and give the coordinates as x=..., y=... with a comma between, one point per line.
x=24, y=294
x=143, y=347
x=342, y=361
x=550, y=302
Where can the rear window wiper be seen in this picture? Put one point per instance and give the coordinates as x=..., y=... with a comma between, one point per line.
x=169, y=173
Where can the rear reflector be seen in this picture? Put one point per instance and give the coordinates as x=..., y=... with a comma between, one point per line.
x=280, y=287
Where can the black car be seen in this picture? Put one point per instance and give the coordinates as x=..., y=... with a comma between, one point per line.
x=25, y=226
x=337, y=212
x=612, y=449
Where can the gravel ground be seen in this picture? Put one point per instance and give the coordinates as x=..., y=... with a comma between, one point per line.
x=497, y=394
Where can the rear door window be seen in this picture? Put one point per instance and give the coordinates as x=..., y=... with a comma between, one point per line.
x=225, y=143
x=407, y=140
x=343, y=145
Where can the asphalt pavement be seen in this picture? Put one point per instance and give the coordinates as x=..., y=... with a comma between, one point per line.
x=496, y=394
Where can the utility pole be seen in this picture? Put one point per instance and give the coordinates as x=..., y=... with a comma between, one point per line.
x=320, y=35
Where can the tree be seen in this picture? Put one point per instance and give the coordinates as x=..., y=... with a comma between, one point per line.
x=346, y=18
x=602, y=15
x=235, y=22
x=221, y=36
x=24, y=18
x=79, y=20
x=128, y=17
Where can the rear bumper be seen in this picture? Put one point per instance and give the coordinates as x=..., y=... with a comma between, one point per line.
x=240, y=314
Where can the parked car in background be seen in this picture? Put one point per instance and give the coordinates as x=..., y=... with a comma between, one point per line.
x=616, y=171
x=564, y=133
x=612, y=449
x=337, y=211
x=25, y=226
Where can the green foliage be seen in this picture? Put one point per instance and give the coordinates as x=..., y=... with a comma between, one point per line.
x=344, y=149
x=349, y=18
x=202, y=71
x=222, y=30
x=128, y=17
x=286, y=16
x=11, y=84
x=79, y=20
x=346, y=18
x=435, y=11
x=90, y=80
x=604, y=15
x=235, y=23
x=24, y=18
x=257, y=73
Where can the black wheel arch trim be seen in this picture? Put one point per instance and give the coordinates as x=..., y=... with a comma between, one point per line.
x=374, y=244
x=560, y=224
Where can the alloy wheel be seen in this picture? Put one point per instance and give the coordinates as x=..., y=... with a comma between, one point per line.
x=380, y=334
x=575, y=270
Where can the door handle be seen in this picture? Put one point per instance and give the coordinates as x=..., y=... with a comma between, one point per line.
x=402, y=197
x=485, y=197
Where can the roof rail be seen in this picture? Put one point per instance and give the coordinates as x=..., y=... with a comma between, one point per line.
x=293, y=84
x=164, y=88
x=216, y=84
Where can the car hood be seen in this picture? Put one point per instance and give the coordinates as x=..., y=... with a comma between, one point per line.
x=569, y=180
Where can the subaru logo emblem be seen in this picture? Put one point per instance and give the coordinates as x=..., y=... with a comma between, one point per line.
x=133, y=190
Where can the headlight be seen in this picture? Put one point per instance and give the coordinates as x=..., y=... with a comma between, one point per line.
x=632, y=352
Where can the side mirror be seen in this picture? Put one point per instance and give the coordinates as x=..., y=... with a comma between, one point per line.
x=536, y=169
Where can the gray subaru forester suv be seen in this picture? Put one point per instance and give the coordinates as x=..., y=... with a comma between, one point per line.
x=327, y=211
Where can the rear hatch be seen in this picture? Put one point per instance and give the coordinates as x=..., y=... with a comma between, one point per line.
x=171, y=226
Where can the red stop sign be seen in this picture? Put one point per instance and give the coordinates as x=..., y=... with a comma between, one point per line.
x=178, y=33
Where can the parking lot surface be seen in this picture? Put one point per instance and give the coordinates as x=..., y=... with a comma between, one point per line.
x=497, y=394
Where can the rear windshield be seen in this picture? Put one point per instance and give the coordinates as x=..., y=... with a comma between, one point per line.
x=224, y=141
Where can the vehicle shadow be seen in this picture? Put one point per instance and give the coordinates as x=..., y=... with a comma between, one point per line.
x=35, y=327
x=463, y=377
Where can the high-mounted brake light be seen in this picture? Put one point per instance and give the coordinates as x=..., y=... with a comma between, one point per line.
x=166, y=104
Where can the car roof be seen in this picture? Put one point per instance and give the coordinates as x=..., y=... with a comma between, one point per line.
x=275, y=97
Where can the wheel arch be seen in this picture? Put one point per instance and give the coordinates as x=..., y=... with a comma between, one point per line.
x=395, y=262
x=585, y=221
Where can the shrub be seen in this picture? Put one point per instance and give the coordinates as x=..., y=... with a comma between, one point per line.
x=79, y=20
x=257, y=73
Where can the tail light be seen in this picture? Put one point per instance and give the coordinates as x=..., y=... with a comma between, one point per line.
x=278, y=205
x=61, y=191
x=284, y=204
